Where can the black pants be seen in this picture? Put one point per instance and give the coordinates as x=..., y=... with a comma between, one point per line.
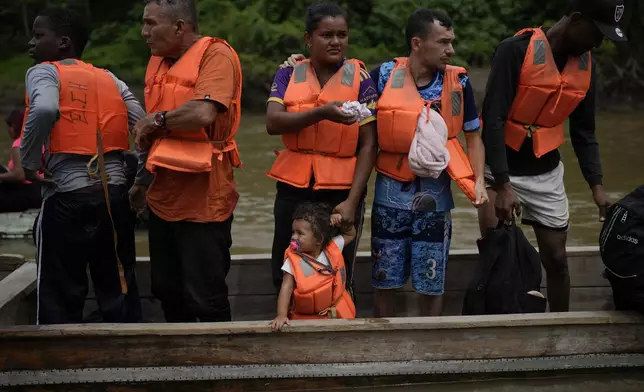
x=628, y=293
x=286, y=201
x=73, y=231
x=189, y=263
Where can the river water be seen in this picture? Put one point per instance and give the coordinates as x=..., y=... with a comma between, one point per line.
x=621, y=139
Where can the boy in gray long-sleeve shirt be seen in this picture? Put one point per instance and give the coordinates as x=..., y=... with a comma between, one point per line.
x=68, y=103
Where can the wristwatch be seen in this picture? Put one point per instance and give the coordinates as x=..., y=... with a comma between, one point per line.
x=159, y=119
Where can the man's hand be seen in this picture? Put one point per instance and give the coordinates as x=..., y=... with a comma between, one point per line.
x=292, y=60
x=145, y=132
x=507, y=205
x=138, y=197
x=332, y=112
x=481, y=193
x=33, y=177
x=347, y=210
x=601, y=200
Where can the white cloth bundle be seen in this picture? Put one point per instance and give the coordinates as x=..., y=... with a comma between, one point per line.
x=360, y=111
x=428, y=156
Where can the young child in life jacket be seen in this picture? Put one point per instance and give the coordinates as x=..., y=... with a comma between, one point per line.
x=314, y=271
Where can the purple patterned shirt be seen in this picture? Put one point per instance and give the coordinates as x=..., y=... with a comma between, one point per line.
x=368, y=93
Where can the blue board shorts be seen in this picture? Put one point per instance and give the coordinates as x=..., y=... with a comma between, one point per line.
x=410, y=243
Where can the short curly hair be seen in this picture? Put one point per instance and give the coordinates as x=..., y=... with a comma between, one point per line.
x=67, y=22
x=319, y=216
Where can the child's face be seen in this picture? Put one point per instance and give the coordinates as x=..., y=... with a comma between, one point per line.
x=303, y=233
x=14, y=126
x=14, y=130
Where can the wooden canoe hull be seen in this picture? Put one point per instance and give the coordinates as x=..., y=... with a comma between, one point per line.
x=324, y=354
x=253, y=297
x=245, y=355
x=14, y=225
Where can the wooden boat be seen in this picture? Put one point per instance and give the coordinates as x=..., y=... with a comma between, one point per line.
x=15, y=225
x=593, y=341
x=19, y=225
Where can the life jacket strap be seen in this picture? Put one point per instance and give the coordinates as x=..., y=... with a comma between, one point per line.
x=331, y=311
x=100, y=172
x=316, y=265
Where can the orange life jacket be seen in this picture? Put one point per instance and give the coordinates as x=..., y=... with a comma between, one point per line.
x=320, y=290
x=326, y=150
x=168, y=87
x=545, y=97
x=399, y=108
x=89, y=102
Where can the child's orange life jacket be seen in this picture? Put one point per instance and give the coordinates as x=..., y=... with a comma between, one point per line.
x=320, y=289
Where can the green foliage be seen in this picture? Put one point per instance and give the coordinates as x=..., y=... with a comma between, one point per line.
x=265, y=32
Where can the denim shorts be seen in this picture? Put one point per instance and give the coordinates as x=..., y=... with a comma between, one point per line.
x=410, y=243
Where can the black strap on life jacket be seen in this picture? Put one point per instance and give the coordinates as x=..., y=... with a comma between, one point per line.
x=321, y=268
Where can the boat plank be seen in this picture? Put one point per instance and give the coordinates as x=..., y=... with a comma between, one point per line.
x=13, y=291
x=17, y=283
x=263, y=307
x=595, y=380
x=346, y=341
x=253, y=277
x=564, y=319
x=252, y=295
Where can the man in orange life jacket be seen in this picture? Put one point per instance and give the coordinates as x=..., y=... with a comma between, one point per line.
x=82, y=115
x=192, y=95
x=539, y=78
x=411, y=219
x=411, y=224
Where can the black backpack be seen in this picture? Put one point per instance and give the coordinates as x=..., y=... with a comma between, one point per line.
x=509, y=268
x=621, y=245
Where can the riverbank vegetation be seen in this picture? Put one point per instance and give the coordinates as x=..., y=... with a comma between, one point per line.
x=265, y=31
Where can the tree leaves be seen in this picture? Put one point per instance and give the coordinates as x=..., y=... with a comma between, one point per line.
x=265, y=32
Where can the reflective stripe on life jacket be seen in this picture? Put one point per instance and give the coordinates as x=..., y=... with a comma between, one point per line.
x=326, y=150
x=399, y=108
x=320, y=290
x=168, y=87
x=545, y=97
x=89, y=102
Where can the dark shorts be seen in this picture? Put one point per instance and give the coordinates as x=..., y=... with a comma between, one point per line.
x=408, y=244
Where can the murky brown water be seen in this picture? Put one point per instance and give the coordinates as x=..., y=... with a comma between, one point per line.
x=621, y=138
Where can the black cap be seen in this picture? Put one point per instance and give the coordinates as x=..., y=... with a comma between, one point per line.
x=606, y=14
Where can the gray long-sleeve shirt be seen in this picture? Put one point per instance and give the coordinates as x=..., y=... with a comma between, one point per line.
x=69, y=171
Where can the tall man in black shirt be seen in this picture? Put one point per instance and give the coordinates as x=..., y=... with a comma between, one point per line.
x=538, y=78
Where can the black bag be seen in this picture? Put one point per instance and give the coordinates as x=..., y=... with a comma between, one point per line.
x=621, y=245
x=509, y=267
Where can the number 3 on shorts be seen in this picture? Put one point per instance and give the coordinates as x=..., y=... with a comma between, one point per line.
x=432, y=269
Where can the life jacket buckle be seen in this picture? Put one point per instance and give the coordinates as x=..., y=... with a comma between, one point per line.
x=95, y=173
x=227, y=146
x=531, y=129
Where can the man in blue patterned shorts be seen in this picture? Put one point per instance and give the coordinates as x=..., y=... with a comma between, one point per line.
x=411, y=224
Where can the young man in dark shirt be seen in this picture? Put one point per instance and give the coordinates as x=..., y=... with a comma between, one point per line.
x=528, y=178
